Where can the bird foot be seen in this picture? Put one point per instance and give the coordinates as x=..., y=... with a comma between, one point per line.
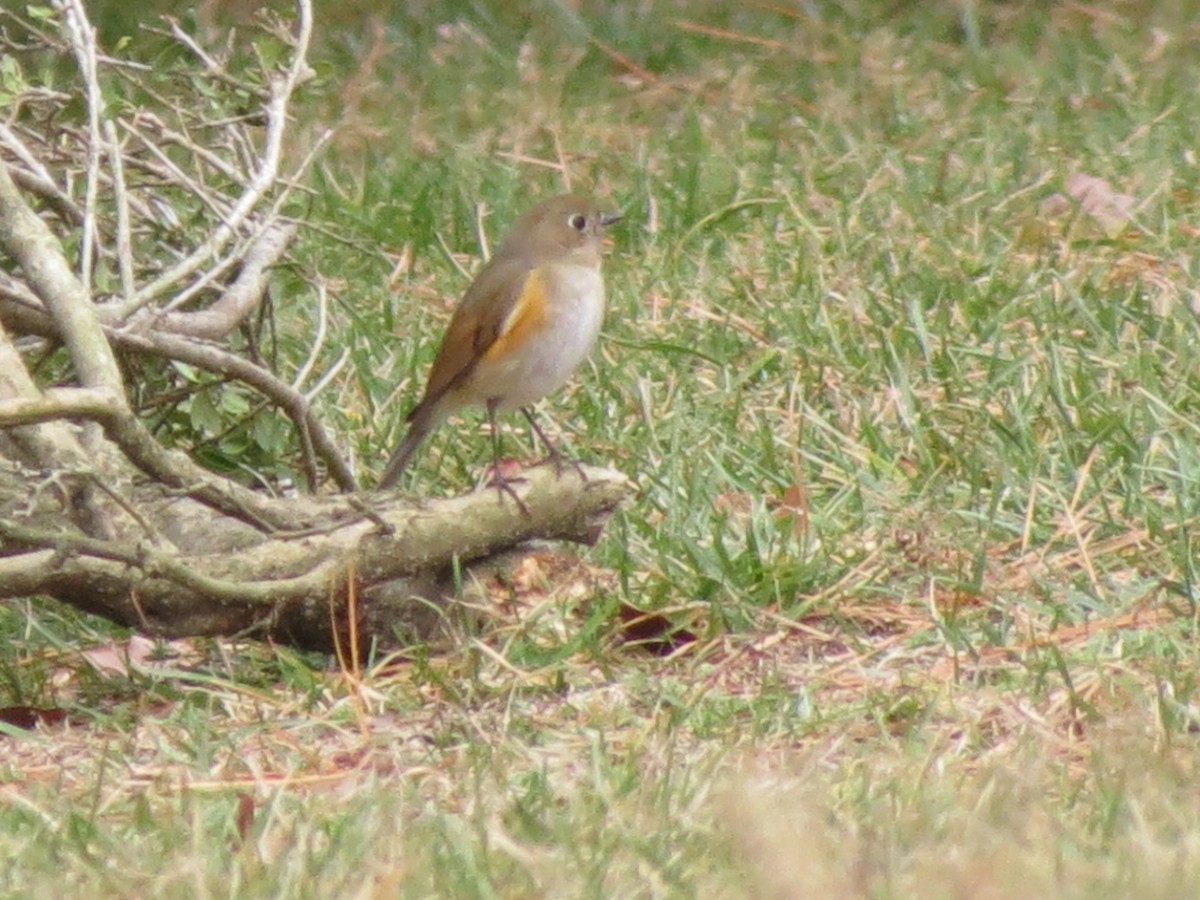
x=504, y=485
x=560, y=462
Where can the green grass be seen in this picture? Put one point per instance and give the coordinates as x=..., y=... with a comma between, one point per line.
x=966, y=668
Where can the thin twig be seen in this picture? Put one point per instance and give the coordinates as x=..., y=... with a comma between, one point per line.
x=330, y=374
x=222, y=362
x=240, y=297
x=318, y=340
x=215, y=69
x=171, y=171
x=83, y=43
x=169, y=136
x=37, y=179
x=121, y=201
x=266, y=223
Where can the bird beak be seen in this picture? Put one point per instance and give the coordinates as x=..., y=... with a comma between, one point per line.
x=607, y=219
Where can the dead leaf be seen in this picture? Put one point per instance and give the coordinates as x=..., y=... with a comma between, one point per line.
x=115, y=659
x=29, y=717
x=792, y=506
x=1111, y=210
x=244, y=819
x=652, y=632
x=734, y=503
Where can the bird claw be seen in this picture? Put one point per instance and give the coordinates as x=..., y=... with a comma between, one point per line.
x=560, y=462
x=504, y=485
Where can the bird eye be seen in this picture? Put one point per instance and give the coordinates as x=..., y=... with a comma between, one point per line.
x=578, y=222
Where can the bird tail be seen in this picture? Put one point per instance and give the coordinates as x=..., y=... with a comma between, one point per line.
x=421, y=425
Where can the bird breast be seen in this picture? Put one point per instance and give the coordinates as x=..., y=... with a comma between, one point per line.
x=572, y=299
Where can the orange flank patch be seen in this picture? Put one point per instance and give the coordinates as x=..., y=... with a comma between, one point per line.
x=526, y=319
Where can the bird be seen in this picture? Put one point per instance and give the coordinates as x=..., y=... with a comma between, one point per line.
x=525, y=324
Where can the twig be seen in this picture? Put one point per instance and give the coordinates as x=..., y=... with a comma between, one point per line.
x=130, y=509
x=330, y=374
x=222, y=362
x=240, y=297
x=83, y=43
x=236, y=256
x=59, y=403
x=267, y=222
x=318, y=337
x=215, y=69
x=306, y=443
x=121, y=201
x=37, y=180
x=171, y=171
x=168, y=135
x=219, y=361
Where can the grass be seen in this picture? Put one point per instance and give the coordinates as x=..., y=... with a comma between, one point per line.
x=915, y=450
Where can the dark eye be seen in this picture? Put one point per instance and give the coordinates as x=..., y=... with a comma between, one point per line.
x=578, y=222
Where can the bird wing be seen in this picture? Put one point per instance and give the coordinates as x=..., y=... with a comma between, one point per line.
x=503, y=303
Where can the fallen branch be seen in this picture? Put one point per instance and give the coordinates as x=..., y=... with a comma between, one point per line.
x=236, y=581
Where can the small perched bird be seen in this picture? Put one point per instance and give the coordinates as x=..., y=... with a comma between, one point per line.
x=525, y=324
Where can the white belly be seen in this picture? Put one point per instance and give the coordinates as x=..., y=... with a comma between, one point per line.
x=574, y=313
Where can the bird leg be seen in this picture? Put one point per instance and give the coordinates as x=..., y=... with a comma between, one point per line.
x=499, y=481
x=555, y=456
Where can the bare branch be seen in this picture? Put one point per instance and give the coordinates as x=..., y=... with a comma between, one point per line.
x=283, y=584
x=318, y=338
x=60, y=403
x=38, y=183
x=240, y=298
x=34, y=247
x=156, y=563
x=213, y=359
x=267, y=222
x=263, y=179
